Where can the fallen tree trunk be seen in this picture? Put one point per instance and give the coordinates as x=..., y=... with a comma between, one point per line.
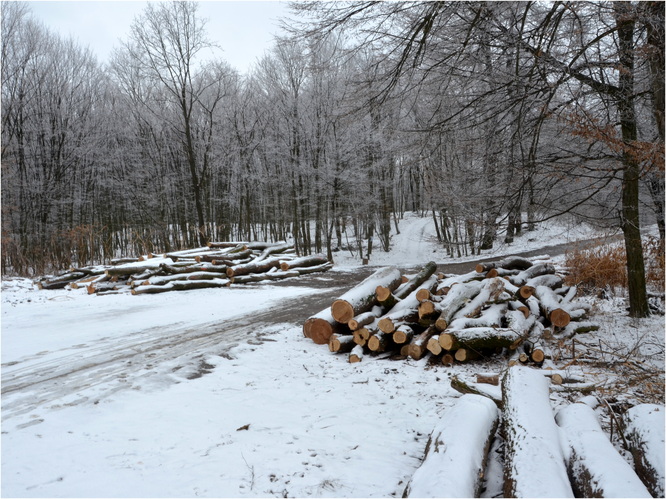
x=457, y=451
x=419, y=344
x=644, y=432
x=482, y=389
x=266, y=276
x=361, y=298
x=533, y=460
x=591, y=475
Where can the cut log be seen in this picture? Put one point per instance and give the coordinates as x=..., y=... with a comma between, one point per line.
x=363, y=319
x=417, y=281
x=457, y=451
x=466, y=354
x=356, y=355
x=272, y=250
x=644, y=432
x=135, y=268
x=321, y=326
x=403, y=334
x=419, y=344
x=533, y=271
x=508, y=263
x=491, y=290
x=490, y=317
x=455, y=299
x=341, y=343
x=361, y=298
x=590, y=475
x=406, y=310
x=266, y=276
x=379, y=342
x=553, y=281
x=478, y=338
x=575, y=328
x=305, y=261
x=181, y=286
x=448, y=359
x=534, y=463
x=433, y=345
x=483, y=389
x=253, y=267
x=551, y=307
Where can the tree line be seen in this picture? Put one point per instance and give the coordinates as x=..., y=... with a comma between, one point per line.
x=486, y=116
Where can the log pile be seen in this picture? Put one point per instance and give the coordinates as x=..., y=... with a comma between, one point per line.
x=510, y=307
x=220, y=264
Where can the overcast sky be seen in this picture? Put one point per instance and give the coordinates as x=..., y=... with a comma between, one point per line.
x=244, y=29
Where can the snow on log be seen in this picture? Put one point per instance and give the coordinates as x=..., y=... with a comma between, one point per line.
x=266, y=276
x=457, y=451
x=508, y=263
x=491, y=290
x=361, y=298
x=595, y=468
x=134, y=268
x=490, y=317
x=364, y=319
x=272, y=250
x=534, y=463
x=417, y=281
x=644, y=432
x=574, y=328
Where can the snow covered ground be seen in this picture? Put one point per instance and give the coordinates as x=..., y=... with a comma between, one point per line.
x=157, y=396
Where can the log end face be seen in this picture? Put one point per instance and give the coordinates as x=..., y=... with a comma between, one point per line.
x=342, y=311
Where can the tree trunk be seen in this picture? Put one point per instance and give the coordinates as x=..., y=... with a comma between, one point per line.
x=625, y=22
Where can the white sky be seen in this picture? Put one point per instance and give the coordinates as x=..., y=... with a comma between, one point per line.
x=244, y=29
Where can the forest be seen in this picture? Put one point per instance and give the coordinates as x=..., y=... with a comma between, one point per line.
x=486, y=116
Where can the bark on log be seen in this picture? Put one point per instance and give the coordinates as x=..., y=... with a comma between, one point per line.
x=130, y=269
x=575, y=328
x=591, y=476
x=457, y=451
x=266, y=276
x=508, y=263
x=644, y=432
x=534, y=462
x=272, y=250
x=478, y=338
x=361, y=298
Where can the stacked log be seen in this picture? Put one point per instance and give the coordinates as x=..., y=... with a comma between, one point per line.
x=508, y=307
x=220, y=264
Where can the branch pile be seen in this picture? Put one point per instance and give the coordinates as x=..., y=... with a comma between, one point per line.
x=219, y=264
x=506, y=307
